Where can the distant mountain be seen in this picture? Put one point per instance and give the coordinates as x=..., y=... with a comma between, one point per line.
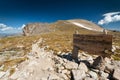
x=9, y=34
x=82, y=26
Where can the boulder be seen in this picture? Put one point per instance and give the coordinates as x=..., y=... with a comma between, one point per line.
x=93, y=75
x=78, y=74
x=109, y=68
x=116, y=74
x=90, y=60
x=104, y=75
x=82, y=66
x=99, y=63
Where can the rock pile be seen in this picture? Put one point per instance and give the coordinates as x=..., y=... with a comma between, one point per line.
x=44, y=65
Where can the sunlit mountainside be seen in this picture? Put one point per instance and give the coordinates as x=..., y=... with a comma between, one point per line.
x=44, y=42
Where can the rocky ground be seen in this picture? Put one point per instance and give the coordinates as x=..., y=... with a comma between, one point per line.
x=40, y=64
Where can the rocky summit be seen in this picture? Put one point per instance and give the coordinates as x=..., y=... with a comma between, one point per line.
x=45, y=53
x=45, y=65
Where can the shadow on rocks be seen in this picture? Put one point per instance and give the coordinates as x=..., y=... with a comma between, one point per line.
x=69, y=57
x=87, y=63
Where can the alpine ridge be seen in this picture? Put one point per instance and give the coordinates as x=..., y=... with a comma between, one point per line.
x=61, y=25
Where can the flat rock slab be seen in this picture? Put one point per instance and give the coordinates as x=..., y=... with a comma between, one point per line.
x=116, y=74
x=78, y=74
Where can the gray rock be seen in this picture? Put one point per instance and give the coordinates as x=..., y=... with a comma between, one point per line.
x=61, y=68
x=2, y=74
x=63, y=76
x=107, y=60
x=90, y=60
x=44, y=78
x=82, y=66
x=68, y=72
x=59, y=71
x=53, y=77
x=78, y=74
x=109, y=68
x=71, y=65
x=93, y=75
x=113, y=48
x=65, y=60
x=88, y=78
x=116, y=63
x=116, y=73
x=99, y=63
x=95, y=70
x=64, y=71
x=102, y=78
x=104, y=75
x=60, y=60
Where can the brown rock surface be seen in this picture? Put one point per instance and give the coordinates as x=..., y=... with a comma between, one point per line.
x=35, y=28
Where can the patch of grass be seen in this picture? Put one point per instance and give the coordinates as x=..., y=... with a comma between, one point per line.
x=12, y=43
x=59, y=40
x=12, y=70
x=9, y=63
x=116, y=57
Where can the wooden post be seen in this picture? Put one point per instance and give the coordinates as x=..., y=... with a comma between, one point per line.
x=75, y=52
x=105, y=31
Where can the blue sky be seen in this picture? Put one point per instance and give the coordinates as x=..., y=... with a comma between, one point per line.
x=15, y=13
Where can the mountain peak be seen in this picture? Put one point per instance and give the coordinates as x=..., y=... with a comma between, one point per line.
x=62, y=25
x=86, y=24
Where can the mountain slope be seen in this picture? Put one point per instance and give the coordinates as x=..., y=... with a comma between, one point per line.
x=23, y=54
x=86, y=24
x=35, y=28
x=82, y=26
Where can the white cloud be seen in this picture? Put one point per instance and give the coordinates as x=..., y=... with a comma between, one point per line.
x=110, y=17
x=8, y=29
x=2, y=26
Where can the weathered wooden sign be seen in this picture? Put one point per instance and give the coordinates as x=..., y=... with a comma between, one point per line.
x=94, y=44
